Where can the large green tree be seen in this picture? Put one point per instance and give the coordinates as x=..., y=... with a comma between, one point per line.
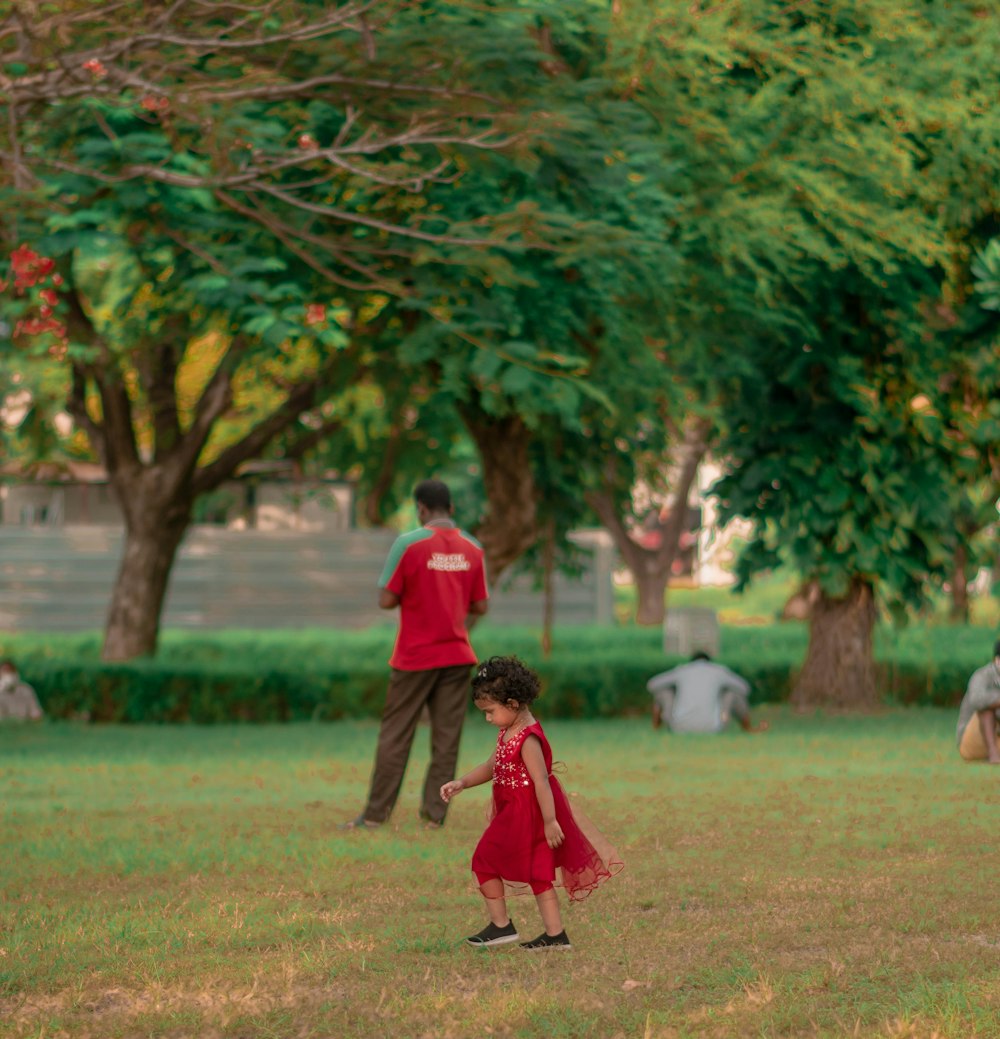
x=544, y=361
x=229, y=197
x=826, y=141
x=544, y=366
x=971, y=409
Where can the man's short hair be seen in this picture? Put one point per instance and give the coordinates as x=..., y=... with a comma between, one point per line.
x=996, y=649
x=434, y=495
x=700, y=655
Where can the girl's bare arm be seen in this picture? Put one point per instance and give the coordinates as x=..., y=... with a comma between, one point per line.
x=474, y=777
x=534, y=762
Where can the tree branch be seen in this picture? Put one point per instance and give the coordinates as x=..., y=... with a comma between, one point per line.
x=218, y=42
x=284, y=232
x=76, y=405
x=602, y=502
x=300, y=399
x=118, y=435
x=307, y=441
x=301, y=87
x=691, y=451
x=364, y=221
x=384, y=477
x=215, y=400
x=158, y=373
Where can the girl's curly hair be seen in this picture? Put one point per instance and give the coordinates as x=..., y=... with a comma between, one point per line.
x=505, y=678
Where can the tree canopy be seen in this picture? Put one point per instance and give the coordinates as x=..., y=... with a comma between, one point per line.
x=580, y=237
x=229, y=202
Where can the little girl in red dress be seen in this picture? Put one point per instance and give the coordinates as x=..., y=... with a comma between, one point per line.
x=532, y=831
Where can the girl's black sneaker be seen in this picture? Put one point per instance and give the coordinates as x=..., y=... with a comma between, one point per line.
x=493, y=935
x=548, y=941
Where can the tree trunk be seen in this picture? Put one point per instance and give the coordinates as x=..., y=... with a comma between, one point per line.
x=382, y=484
x=151, y=543
x=157, y=494
x=651, y=588
x=839, y=669
x=800, y=605
x=651, y=567
x=510, y=527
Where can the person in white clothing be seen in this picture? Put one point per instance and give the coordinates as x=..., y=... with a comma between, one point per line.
x=701, y=696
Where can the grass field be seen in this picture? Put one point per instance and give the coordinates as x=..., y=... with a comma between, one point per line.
x=832, y=877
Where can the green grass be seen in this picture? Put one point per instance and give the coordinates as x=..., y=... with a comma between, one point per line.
x=829, y=878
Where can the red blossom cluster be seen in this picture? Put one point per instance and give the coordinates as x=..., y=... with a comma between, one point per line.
x=308, y=143
x=154, y=104
x=31, y=270
x=315, y=314
x=96, y=68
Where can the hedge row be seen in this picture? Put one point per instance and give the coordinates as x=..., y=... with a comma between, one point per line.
x=577, y=684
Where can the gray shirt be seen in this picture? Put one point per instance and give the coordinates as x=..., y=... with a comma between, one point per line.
x=17, y=699
x=696, y=690
x=982, y=692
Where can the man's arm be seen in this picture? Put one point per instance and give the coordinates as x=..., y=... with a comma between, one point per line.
x=734, y=681
x=740, y=703
x=479, y=608
x=392, y=576
x=35, y=712
x=664, y=680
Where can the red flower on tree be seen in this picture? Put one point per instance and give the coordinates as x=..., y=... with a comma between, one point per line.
x=154, y=104
x=96, y=68
x=31, y=270
x=315, y=314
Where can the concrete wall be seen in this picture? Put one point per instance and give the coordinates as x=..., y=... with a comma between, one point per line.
x=306, y=505
x=59, y=579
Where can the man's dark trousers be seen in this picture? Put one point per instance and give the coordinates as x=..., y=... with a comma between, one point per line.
x=445, y=691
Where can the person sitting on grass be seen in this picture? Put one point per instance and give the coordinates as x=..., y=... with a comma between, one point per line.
x=532, y=831
x=701, y=696
x=17, y=699
x=978, y=713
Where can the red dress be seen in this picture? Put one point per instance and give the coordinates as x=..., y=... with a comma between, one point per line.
x=514, y=846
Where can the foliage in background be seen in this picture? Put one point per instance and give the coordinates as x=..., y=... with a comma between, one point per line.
x=563, y=360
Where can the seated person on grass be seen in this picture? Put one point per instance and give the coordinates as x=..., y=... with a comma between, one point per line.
x=701, y=696
x=977, y=716
x=17, y=699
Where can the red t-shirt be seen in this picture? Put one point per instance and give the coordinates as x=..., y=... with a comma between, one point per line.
x=437, y=572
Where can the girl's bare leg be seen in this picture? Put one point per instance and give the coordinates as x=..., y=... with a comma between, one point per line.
x=496, y=904
x=548, y=907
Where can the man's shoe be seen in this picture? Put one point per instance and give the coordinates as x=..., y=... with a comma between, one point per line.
x=548, y=941
x=429, y=823
x=493, y=935
x=361, y=823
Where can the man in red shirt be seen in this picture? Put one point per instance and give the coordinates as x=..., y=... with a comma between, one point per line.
x=435, y=576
